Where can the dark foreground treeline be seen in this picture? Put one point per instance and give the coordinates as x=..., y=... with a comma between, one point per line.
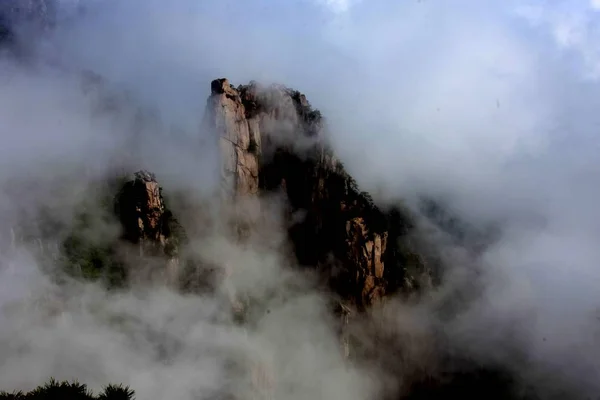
x=70, y=391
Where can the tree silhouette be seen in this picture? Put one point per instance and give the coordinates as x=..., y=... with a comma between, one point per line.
x=65, y=390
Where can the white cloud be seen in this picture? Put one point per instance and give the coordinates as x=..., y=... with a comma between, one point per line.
x=337, y=6
x=574, y=27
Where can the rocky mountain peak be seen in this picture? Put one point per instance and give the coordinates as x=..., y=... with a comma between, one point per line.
x=270, y=139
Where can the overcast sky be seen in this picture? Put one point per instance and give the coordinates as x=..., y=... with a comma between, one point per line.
x=473, y=82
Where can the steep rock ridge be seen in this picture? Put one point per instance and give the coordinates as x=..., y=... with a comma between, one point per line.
x=271, y=139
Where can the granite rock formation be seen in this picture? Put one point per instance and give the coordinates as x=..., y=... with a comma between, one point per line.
x=271, y=139
x=141, y=211
x=239, y=138
x=146, y=221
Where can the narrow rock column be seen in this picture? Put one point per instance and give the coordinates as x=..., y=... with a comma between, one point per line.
x=225, y=118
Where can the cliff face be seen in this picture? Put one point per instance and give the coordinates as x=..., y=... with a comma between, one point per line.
x=271, y=139
x=239, y=140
